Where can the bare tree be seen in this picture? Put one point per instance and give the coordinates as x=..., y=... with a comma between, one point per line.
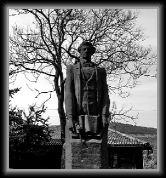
x=53, y=44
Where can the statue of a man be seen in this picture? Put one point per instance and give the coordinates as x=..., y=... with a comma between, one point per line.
x=86, y=98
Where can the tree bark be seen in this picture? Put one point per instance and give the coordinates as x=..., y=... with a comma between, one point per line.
x=60, y=95
x=62, y=116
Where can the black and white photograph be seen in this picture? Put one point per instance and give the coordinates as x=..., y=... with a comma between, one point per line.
x=83, y=88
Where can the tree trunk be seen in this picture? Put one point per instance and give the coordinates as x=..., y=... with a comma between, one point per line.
x=62, y=116
x=60, y=95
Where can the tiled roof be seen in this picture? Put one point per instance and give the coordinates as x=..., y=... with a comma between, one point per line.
x=115, y=138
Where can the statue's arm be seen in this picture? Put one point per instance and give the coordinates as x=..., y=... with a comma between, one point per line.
x=69, y=97
x=106, y=100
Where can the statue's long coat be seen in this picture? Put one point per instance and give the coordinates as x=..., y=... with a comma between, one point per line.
x=73, y=92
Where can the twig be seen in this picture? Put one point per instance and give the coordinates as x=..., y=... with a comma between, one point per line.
x=42, y=92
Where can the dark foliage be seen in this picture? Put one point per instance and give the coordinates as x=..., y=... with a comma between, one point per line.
x=27, y=136
x=13, y=91
x=35, y=157
x=15, y=116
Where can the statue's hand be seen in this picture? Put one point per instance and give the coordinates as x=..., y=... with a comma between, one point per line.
x=105, y=121
x=71, y=124
x=77, y=128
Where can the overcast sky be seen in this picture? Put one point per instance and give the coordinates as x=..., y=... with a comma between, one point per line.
x=143, y=98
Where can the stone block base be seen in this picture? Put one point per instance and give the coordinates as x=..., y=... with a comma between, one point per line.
x=90, y=154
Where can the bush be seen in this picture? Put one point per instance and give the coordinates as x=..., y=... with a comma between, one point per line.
x=150, y=162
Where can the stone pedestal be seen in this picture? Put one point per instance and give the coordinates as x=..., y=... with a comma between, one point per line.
x=90, y=154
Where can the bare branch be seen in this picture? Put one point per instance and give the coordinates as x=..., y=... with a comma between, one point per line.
x=122, y=114
x=39, y=93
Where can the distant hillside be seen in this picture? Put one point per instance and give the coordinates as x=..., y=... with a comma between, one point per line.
x=124, y=128
x=130, y=129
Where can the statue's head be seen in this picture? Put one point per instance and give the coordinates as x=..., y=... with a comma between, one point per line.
x=86, y=48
